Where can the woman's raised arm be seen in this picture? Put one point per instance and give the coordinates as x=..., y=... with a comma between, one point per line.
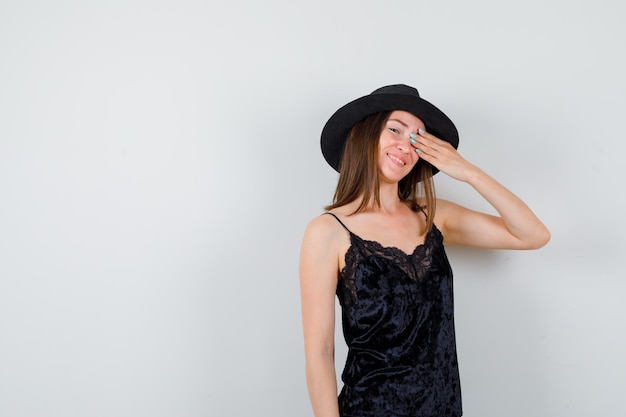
x=516, y=227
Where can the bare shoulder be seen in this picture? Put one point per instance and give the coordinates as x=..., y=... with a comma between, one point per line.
x=323, y=229
x=324, y=237
x=320, y=259
x=446, y=206
x=446, y=214
x=445, y=209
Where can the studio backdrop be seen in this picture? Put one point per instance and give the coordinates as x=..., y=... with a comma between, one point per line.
x=159, y=162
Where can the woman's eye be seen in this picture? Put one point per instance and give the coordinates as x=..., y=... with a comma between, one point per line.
x=394, y=130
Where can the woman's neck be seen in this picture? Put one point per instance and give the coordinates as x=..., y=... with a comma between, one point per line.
x=389, y=201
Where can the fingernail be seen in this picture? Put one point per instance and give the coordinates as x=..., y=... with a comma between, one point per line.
x=412, y=136
x=413, y=141
x=418, y=151
x=421, y=131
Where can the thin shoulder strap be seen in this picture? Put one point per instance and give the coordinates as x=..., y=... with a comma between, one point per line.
x=340, y=222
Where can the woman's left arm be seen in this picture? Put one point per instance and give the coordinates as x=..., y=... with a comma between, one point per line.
x=517, y=227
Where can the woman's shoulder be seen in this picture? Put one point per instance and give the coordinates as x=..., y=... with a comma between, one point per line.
x=325, y=227
x=445, y=210
x=323, y=241
x=444, y=206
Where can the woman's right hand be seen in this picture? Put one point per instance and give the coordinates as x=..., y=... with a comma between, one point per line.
x=443, y=156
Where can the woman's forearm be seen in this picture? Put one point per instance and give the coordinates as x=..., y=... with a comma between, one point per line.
x=322, y=385
x=518, y=218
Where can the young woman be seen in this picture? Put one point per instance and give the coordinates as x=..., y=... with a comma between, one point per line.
x=379, y=249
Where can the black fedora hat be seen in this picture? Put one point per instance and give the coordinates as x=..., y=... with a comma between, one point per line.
x=384, y=99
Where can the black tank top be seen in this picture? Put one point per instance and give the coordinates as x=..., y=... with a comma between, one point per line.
x=398, y=323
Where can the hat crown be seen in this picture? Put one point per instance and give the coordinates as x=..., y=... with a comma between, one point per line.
x=397, y=89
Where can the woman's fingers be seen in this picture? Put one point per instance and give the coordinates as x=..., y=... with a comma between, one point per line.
x=441, y=155
x=426, y=139
x=428, y=145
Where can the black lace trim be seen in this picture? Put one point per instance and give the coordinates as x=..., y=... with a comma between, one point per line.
x=415, y=265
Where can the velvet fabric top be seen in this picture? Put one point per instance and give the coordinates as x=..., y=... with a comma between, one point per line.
x=398, y=323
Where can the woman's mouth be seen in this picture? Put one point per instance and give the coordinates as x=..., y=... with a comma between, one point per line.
x=396, y=160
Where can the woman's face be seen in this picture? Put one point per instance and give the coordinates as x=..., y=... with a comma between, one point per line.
x=396, y=156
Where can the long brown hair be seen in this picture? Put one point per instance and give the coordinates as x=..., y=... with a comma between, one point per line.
x=358, y=173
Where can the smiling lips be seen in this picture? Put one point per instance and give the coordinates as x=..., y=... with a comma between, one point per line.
x=396, y=160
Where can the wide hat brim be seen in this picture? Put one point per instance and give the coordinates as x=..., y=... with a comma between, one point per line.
x=385, y=99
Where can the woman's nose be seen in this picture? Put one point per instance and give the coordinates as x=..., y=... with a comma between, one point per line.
x=405, y=143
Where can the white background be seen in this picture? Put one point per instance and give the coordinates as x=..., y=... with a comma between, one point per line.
x=159, y=161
